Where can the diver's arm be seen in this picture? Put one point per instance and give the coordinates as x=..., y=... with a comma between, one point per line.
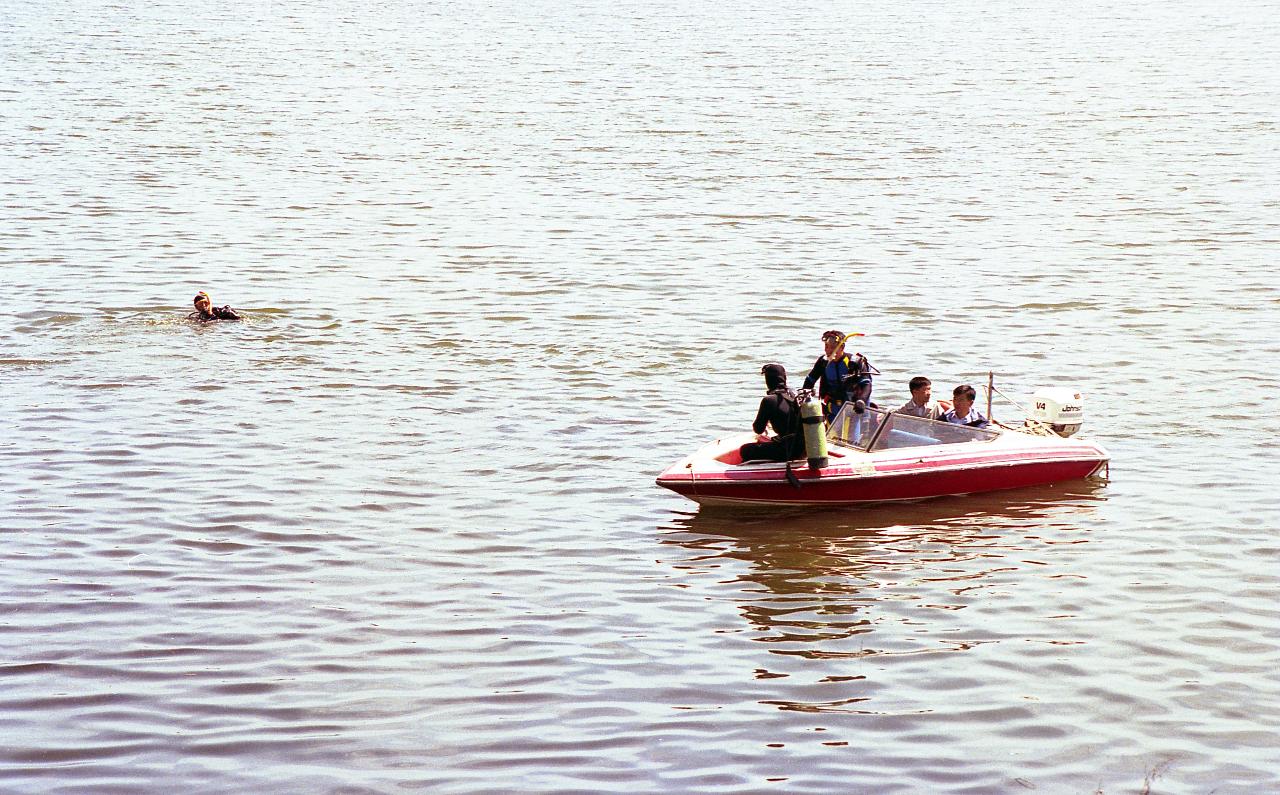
x=816, y=373
x=762, y=420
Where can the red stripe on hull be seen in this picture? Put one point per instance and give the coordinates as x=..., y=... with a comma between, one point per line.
x=822, y=489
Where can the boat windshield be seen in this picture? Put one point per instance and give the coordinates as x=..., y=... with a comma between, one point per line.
x=864, y=431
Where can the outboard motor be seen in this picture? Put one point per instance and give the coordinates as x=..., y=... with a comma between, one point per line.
x=1060, y=409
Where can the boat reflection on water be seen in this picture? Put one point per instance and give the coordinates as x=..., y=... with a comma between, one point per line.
x=828, y=592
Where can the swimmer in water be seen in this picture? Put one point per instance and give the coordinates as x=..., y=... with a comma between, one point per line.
x=205, y=311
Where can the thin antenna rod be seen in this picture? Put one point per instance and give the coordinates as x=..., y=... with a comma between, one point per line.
x=991, y=387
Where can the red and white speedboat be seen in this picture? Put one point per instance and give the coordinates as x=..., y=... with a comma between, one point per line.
x=879, y=456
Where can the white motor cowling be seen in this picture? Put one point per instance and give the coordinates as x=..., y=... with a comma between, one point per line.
x=1060, y=409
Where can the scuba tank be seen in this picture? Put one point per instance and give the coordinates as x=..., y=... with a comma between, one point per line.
x=815, y=432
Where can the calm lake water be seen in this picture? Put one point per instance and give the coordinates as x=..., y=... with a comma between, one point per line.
x=502, y=263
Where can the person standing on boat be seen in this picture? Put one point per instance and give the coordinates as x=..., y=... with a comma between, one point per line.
x=921, y=403
x=964, y=412
x=205, y=311
x=780, y=410
x=843, y=377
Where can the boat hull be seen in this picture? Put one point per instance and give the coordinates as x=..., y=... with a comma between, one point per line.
x=854, y=477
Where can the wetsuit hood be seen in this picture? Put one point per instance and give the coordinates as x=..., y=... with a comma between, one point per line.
x=775, y=376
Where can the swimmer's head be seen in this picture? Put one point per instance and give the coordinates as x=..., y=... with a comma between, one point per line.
x=201, y=298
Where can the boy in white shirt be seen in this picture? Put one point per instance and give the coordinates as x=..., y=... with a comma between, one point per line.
x=964, y=412
x=920, y=404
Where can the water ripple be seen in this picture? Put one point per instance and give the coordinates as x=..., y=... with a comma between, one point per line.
x=397, y=529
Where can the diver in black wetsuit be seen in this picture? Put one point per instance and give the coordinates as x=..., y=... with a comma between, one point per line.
x=780, y=410
x=206, y=312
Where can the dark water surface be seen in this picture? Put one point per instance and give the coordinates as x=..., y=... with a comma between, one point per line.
x=501, y=263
